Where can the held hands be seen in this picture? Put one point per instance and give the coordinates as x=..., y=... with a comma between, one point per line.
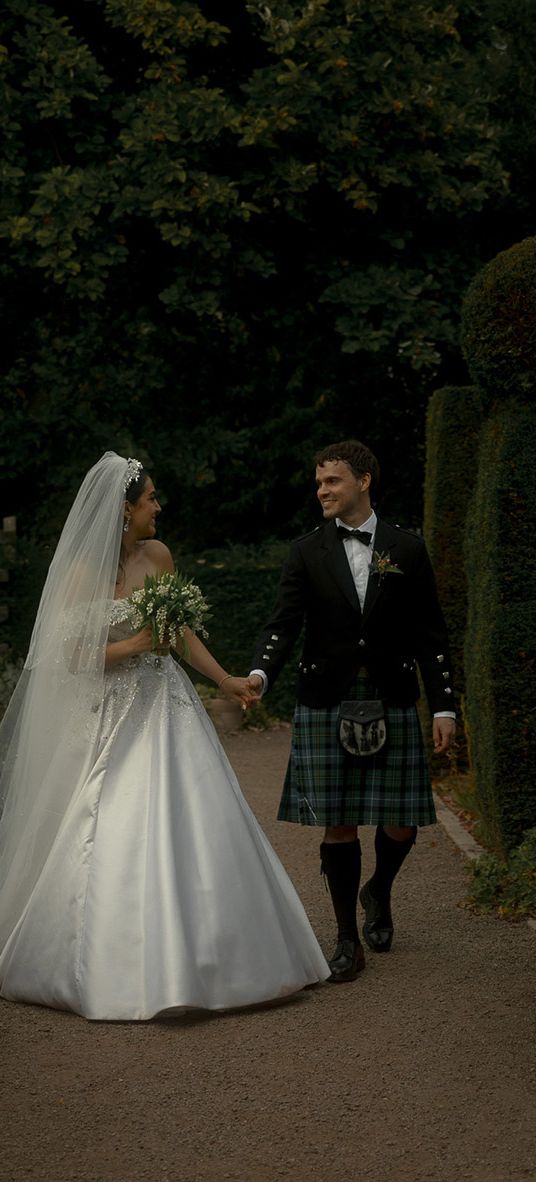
x=238, y=689
x=443, y=733
x=256, y=685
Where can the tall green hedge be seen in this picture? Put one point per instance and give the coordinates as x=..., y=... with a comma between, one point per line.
x=240, y=583
x=500, y=648
x=499, y=324
x=453, y=425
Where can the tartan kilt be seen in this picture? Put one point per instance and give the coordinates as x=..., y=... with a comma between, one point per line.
x=326, y=786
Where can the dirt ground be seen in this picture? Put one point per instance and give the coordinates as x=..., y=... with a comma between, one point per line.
x=422, y=1070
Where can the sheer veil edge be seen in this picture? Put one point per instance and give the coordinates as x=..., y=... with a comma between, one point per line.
x=48, y=734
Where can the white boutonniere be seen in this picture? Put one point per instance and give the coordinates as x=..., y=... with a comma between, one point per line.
x=381, y=565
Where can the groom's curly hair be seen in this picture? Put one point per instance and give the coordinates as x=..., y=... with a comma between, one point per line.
x=359, y=458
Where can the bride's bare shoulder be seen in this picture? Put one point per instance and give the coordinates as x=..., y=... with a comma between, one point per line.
x=159, y=555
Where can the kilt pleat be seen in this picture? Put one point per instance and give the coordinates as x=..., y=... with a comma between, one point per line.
x=326, y=786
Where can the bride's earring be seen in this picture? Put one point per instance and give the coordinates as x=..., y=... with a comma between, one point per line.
x=126, y=525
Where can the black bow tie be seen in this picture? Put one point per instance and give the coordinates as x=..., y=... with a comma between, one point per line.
x=361, y=535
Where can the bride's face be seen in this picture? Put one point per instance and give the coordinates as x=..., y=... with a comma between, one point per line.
x=143, y=514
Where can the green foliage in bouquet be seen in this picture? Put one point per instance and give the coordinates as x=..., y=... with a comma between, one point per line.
x=170, y=603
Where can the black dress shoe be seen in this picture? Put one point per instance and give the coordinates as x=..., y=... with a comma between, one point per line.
x=347, y=961
x=378, y=925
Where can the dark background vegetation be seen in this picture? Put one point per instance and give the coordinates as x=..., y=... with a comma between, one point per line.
x=233, y=232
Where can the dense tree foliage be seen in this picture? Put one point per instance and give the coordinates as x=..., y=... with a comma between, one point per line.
x=508, y=59
x=231, y=232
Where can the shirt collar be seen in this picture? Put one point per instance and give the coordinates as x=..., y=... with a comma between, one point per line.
x=369, y=525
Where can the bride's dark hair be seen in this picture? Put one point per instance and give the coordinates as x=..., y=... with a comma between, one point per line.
x=132, y=495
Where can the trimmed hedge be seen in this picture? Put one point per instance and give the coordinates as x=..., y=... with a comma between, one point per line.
x=453, y=425
x=500, y=648
x=499, y=324
x=240, y=583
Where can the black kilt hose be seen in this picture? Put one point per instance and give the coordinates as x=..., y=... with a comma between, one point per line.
x=326, y=786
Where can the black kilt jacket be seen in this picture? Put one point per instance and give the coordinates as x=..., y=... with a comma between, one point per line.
x=401, y=625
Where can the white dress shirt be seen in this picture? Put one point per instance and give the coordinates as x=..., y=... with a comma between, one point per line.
x=360, y=556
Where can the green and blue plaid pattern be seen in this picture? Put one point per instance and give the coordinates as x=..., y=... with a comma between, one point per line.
x=325, y=786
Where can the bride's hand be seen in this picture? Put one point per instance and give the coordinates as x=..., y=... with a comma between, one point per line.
x=142, y=642
x=238, y=690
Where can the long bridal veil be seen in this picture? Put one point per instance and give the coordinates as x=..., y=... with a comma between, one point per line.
x=48, y=734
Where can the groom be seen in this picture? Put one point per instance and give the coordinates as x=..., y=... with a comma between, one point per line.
x=365, y=591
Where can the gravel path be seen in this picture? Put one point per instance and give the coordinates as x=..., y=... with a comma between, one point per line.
x=422, y=1069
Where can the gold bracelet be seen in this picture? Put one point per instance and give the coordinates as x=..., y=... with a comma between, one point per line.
x=226, y=678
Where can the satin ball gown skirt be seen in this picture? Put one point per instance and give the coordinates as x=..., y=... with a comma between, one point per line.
x=161, y=891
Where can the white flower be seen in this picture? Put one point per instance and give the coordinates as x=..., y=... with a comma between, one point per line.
x=170, y=604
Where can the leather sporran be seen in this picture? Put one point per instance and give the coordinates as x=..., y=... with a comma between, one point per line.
x=361, y=727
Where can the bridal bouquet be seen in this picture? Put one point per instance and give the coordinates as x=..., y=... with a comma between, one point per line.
x=169, y=603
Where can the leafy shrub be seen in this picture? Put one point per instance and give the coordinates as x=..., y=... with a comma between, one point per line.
x=508, y=887
x=27, y=574
x=10, y=671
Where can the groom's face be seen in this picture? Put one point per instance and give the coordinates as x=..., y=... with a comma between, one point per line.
x=341, y=493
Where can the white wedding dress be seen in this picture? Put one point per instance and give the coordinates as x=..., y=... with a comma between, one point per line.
x=161, y=890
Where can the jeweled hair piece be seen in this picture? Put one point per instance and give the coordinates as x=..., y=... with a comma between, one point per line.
x=134, y=468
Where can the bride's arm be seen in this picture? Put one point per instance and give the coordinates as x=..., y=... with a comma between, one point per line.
x=119, y=650
x=197, y=655
x=74, y=650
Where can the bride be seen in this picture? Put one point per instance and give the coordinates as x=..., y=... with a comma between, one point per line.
x=134, y=878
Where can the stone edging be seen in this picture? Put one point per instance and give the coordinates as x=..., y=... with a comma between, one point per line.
x=455, y=830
